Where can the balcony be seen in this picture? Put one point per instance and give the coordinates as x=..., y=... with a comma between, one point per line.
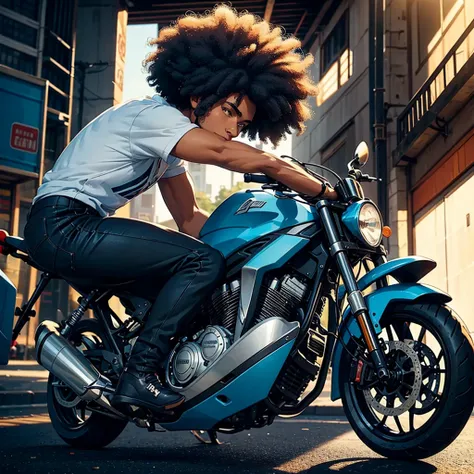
x=438, y=100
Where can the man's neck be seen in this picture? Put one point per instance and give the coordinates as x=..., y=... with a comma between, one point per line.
x=187, y=113
x=190, y=114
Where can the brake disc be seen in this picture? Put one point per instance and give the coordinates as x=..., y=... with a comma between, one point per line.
x=411, y=394
x=431, y=380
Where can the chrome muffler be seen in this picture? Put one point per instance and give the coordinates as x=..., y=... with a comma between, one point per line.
x=57, y=355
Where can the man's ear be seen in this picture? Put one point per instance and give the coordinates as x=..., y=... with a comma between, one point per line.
x=194, y=101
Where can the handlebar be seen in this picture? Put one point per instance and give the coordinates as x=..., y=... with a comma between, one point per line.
x=361, y=177
x=369, y=179
x=258, y=178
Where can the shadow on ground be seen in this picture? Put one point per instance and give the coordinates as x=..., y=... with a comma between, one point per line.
x=285, y=447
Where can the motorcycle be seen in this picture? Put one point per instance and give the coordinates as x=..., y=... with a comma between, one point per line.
x=292, y=305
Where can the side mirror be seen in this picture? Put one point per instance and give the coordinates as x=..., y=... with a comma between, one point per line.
x=361, y=155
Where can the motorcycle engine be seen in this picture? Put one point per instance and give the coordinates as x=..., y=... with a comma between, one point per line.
x=278, y=296
x=189, y=359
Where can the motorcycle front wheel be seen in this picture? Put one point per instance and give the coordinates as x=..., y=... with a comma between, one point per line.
x=70, y=416
x=431, y=393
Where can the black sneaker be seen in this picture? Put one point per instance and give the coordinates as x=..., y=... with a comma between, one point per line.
x=145, y=390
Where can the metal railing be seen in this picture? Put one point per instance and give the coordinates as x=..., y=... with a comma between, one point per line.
x=422, y=102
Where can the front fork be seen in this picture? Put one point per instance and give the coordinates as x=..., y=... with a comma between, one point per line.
x=355, y=298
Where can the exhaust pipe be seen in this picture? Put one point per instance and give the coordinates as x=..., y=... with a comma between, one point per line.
x=57, y=355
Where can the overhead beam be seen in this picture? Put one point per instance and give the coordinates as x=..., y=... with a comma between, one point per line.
x=269, y=10
x=301, y=22
x=317, y=21
x=208, y=4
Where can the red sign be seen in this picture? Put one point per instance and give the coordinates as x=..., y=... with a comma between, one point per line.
x=24, y=138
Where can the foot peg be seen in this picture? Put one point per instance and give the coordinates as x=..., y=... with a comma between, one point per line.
x=212, y=436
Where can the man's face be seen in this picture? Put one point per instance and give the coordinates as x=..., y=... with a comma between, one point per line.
x=228, y=117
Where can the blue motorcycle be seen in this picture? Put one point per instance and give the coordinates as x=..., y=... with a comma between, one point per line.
x=293, y=304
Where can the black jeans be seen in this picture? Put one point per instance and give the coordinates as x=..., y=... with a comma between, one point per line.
x=73, y=241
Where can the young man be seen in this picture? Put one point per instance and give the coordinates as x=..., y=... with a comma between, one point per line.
x=217, y=76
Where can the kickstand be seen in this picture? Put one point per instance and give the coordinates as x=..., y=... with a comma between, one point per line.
x=212, y=436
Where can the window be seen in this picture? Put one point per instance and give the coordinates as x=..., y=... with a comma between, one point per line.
x=447, y=5
x=429, y=23
x=17, y=60
x=335, y=44
x=59, y=18
x=29, y=8
x=431, y=14
x=18, y=31
x=336, y=60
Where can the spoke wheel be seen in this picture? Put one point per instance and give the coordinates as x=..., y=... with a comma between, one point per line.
x=429, y=397
x=72, y=418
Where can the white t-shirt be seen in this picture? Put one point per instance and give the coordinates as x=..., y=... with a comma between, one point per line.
x=120, y=154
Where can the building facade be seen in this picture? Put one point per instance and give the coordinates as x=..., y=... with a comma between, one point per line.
x=37, y=45
x=41, y=66
x=429, y=84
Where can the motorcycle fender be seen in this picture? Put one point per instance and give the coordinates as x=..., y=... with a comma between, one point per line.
x=7, y=312
x=377, y=303
x=404, y=270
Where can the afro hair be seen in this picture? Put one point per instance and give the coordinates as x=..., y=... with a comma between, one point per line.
x=225, y=52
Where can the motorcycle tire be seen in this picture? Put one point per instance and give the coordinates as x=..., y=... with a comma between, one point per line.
x=453, y=408
x=98, y=430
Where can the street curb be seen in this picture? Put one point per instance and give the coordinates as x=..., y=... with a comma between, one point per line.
x=21, y=397
x=324, y=410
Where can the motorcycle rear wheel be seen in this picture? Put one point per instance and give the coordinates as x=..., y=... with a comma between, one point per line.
x=448, y=411
x=70, y=417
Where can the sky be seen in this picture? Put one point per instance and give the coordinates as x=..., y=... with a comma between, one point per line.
x=135, y=84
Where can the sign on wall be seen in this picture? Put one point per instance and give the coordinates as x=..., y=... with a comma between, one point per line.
x=23, y=102
x=24, y=138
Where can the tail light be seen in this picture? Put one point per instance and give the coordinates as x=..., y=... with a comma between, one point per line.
x=3, y=235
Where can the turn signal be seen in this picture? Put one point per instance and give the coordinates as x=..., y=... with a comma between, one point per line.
x=386, y=231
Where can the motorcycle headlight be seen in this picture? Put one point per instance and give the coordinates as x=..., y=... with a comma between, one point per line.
x=370, y=224
x=363, y=219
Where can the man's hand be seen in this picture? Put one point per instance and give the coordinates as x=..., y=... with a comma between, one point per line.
x=178, y=194
x=330, y=193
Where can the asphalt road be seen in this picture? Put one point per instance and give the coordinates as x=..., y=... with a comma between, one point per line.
x=28, y=444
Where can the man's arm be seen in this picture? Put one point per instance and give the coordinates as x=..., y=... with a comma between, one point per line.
x=201, y=146
x=178, y=194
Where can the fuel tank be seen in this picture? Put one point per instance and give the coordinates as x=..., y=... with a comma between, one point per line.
x=247, y=215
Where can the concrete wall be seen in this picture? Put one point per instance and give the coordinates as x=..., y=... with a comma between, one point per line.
x=350, y=101
x=397, y=95
x=101, y=38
